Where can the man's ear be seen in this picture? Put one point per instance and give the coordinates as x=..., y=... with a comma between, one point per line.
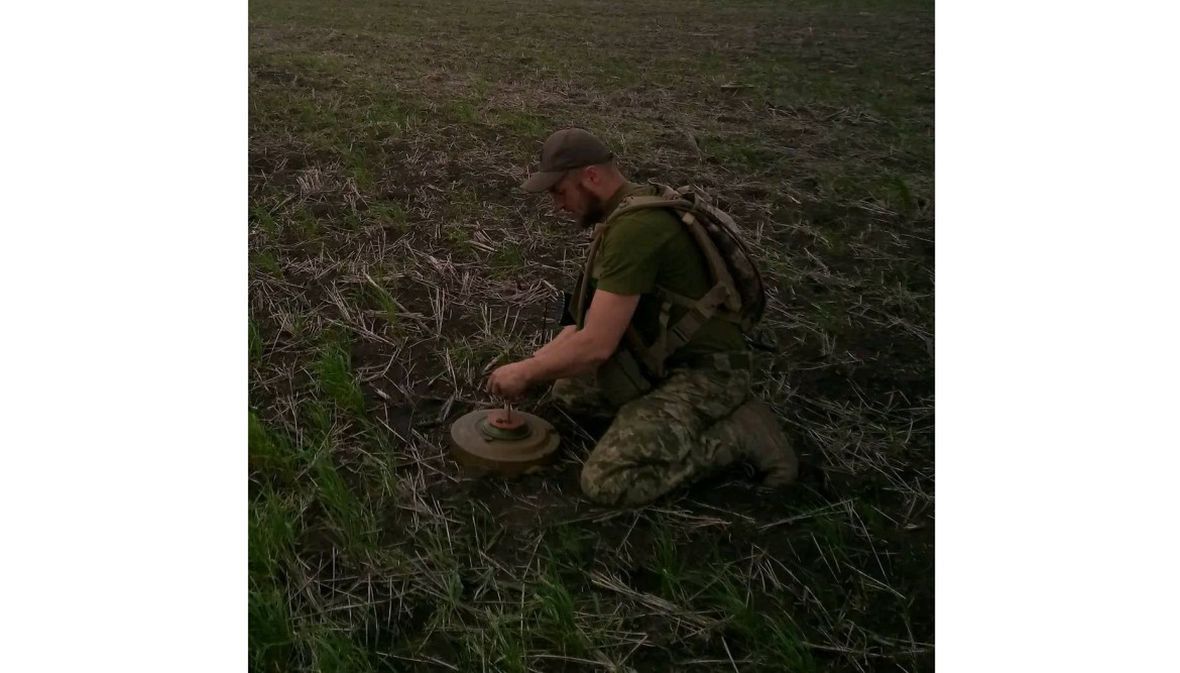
x=591, y=175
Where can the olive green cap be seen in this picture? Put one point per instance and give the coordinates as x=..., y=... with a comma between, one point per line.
x=564, y=151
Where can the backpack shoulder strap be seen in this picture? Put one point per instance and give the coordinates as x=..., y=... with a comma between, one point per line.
x=582, y=292
x=634, y=203
x=722, y=300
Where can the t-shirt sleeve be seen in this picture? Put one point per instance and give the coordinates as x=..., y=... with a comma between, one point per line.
x=629, y=261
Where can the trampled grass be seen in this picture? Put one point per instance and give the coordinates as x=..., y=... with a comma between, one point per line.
x=393, y=259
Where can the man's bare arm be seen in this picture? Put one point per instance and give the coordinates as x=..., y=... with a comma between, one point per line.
x=584, y=350
x=564, y=334
x=580, y=352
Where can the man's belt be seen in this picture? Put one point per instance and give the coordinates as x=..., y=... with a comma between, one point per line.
x=726, y=361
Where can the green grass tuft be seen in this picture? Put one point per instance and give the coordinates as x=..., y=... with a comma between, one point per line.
x=270, y=453
x=255, y=343
x=387, y=214
x=507, y=261
x=274, y=518
x=336, y=379
x=272, y=642
x=668, y=564
x=384, y=301
x=267, y=262
x=335, y=649
x=555, y=615
x=349, y=517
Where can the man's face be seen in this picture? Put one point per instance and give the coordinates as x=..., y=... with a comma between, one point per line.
x=571, y=196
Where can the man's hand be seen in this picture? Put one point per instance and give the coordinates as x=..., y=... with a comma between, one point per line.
x=510, y=381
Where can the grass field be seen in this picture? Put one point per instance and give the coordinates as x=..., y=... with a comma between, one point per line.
x=392, y=259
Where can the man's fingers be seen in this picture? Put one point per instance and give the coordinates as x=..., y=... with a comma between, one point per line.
x=493, y=386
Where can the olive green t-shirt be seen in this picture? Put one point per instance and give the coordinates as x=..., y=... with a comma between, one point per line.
x=647, y=248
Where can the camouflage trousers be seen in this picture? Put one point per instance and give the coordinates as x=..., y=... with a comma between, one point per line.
x=663, y=439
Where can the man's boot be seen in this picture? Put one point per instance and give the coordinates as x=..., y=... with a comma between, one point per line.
x=756, y=432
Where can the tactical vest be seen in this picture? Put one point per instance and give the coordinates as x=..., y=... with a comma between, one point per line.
x=737, y=295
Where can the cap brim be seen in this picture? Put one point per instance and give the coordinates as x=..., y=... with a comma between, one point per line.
x=541, y=181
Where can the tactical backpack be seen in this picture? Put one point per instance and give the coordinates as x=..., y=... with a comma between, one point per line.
x=737, y=295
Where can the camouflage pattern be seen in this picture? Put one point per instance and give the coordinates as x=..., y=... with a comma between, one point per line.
x=582, y=396
x=664, y=439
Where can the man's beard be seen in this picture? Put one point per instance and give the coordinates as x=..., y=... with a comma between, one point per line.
x=594, y=213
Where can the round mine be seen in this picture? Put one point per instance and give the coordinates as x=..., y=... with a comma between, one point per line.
x=509, y=446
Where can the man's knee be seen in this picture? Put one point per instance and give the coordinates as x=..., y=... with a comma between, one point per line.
x=613, y=487
x=612, y=476
x=597, y=486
